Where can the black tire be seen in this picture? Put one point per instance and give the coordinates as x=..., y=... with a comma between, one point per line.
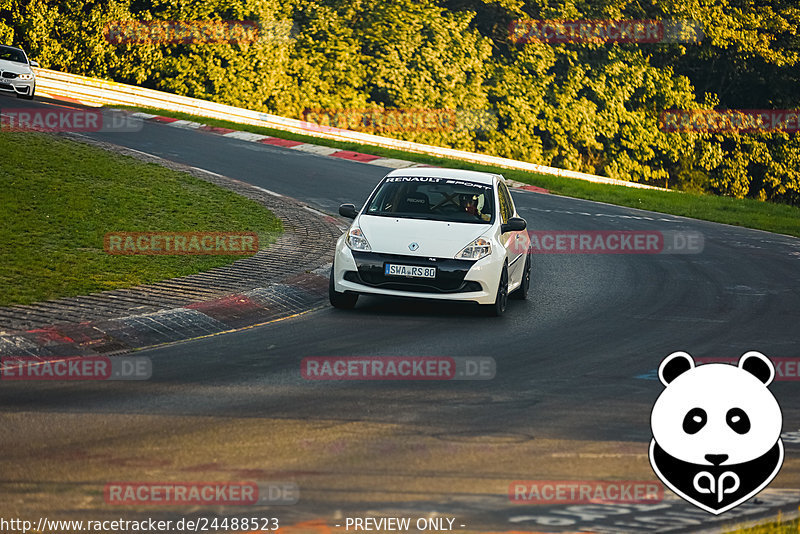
x=342, y=301
x=30, y=96
x=521, y=293
x=501, y=301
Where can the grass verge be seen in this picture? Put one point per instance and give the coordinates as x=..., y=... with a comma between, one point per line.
x=791, y=527
x=750, y=213
x=59, y=198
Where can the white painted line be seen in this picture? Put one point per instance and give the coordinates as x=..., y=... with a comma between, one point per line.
x=316, y=149
x=144, y=153
x=312, y=210
x=246, y=136
x=392, y=163
x=207, y=172
x=273, y=193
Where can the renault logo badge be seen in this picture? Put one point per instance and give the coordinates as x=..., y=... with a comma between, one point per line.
x=413, y=246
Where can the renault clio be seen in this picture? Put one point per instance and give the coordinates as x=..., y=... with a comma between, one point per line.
x=441, y=234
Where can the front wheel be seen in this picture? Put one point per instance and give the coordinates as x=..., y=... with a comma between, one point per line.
x=342, y=301
x=501, y=300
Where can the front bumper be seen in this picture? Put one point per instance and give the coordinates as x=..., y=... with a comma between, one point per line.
x=17, y=86
x=461, y=280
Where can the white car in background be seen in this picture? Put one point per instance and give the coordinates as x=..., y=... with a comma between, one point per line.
x=441, y=234
x=16, y=74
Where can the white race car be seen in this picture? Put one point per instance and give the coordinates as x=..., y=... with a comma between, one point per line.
x=440, y=234
x=16, y=74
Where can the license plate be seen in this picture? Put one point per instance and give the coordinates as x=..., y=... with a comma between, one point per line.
x=411, y=271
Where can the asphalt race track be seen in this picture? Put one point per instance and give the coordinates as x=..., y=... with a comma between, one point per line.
x=571, y=398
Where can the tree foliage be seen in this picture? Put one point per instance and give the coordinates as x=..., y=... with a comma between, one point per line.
x=592, y=107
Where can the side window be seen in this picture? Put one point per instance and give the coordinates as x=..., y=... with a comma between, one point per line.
x=510, y=201
x=506, y=211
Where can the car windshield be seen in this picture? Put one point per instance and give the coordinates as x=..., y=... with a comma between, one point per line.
x=12, y=54
x=438, y=199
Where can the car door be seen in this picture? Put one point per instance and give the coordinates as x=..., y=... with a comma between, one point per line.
x=512, y=241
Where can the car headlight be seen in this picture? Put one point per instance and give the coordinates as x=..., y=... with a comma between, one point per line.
x=25, y=77
x=356, y=240
x=476, y=250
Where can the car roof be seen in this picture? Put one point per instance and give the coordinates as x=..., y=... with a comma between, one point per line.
x=456, y=174
x=12, y=47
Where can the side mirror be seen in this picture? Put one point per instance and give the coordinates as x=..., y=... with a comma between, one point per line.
x=348, y=210
x=514, y=224
x=34, y=63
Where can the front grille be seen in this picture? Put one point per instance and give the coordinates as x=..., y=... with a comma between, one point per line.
x=414, y=287
x=450, y=273
x=10, y=75
x=6, y=87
